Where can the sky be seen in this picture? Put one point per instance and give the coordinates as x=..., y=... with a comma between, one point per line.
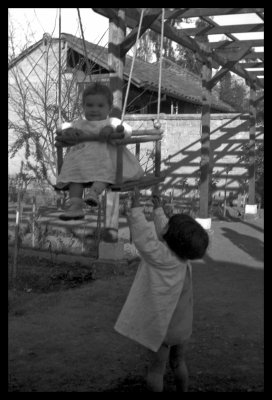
x=32, y=23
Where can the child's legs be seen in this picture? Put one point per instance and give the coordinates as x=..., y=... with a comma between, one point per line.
x=179, y=367
x=92, y=194
x=75, y=190
x=156, y=369
x=75, y=210
x=98, y=187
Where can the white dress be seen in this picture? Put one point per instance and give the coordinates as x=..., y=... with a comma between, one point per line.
x=96, y=161
x=159, y=306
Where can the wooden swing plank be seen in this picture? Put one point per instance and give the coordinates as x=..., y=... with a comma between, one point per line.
x=146, y=181
x=138, y=132
x=132, y=140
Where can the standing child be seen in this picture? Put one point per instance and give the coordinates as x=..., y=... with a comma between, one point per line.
x=93, y=163
x=158, y=312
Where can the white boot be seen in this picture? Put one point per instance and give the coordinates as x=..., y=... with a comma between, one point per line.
x=94, y=192
x=74, y=210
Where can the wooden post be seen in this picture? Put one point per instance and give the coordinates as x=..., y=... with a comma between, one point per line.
x=17, y=228
x=137, y=151
x=157, y=160
x=252, y=136
x=117, y=31
x=59, y=149
x=205, y=142
x=225, y=194
x=33, y=220
x=98, y=229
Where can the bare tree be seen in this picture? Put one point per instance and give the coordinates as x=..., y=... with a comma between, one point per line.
x=34, y=108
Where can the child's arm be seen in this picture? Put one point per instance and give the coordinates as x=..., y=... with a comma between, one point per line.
x=72, y=133
x=160, y=219
x=144, y=236
x=79, y=131
x=87, y=128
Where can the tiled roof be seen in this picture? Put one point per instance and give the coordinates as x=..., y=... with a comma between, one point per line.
x=177, y=82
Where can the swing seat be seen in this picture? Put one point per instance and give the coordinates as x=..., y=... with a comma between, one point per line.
x=145, y=182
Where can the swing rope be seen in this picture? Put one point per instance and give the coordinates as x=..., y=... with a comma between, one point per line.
x=152, y=135
x=160, y=67
x=132, y=65
x=154, y=180
x=84, y=45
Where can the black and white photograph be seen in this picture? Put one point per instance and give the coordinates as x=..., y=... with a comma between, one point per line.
x=135, y=200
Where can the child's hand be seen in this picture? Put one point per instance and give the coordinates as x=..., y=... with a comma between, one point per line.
x=133, y=201
x=120, y=129
x=68, y=137
x=156, y=201
x=117, y=136
x=105, y=133
x=112, y=135
x=127, y=206
x=135, y=198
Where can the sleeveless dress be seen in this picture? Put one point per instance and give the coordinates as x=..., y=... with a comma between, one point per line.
x=88, y=162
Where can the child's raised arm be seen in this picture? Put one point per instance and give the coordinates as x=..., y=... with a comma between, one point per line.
x=160, y=219
x=144, y=237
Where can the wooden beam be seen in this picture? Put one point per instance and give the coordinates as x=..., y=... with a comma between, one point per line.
x=226, y=68
x=110, y=13
x=255, y=73
x=255, y=55
x=217, y=30
x=252, y=138
x=177, y=12
x=205, y=162
x=141, y=139
x=236, y=69
x=201, y=12
x=218, y=76
x=150, y=16
x=132, y=18
x=145, y=182
x=252, y=65
x=234, y=54
x=229, y=44
x=261, y=15
x=201, y=50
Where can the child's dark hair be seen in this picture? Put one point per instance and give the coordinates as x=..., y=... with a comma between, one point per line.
x=98, y=88
x=186, y=237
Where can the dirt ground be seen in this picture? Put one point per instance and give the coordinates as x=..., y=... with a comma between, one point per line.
x=61, y=318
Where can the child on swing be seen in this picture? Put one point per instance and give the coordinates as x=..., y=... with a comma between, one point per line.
x=158, y=311
x=93, y=163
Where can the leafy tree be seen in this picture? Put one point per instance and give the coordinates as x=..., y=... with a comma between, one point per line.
x=259, y=167
x=234, y=93
x=149, y=47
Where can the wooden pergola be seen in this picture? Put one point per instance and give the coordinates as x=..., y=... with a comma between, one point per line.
x=231, y=54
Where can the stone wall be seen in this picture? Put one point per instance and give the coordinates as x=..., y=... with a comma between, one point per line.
x=180, y=149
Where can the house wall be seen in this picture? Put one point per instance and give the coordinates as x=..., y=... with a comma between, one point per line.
x=181, y=144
